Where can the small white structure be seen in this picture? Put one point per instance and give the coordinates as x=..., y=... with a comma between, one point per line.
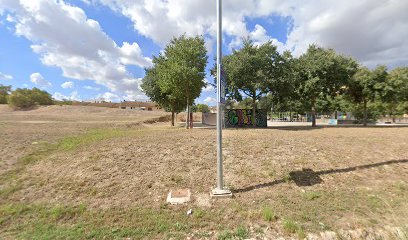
x=179, y=196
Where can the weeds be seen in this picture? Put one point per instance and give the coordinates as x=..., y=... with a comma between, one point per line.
x=240, y=233
x=312, y=195
x=268, y=214
x=291, y=226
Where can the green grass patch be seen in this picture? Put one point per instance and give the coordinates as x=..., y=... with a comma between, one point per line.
x=9, y=189
x=268, y=214
x=240, y=233
x=312, y=195
x=293, y=227
x=31, y=221
x=70, y=143
x=225, y=235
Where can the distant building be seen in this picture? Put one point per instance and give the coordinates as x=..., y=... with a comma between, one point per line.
x=147, y=106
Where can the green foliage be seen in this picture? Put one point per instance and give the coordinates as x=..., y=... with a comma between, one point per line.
x=26, y=98
x=268, y=214
x=181, y=68
x=63, y=102
x=71, y=143
x=201, y=108
x=363, y=89
x=394, y=91
x=241, y=233
x=4, y=92
x=291, y=226
x=245, y=104
x=177, y=75
x=322, y=73
x=370, y=114
x=249, y=71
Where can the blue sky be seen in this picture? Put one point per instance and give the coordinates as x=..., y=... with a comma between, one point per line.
x=93, y=49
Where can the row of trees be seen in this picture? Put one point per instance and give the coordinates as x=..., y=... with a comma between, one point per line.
x=320, y=80
x=23, y=97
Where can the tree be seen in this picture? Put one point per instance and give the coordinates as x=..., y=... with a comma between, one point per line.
x=283, y=86
x=166, y=100
x=322, y=73
x=4, y=92
x=178, y=73
x=201, y=108
x=364, y=86
x=248, y=71
x=26, y=98
x=246, y=103
x=394, y=91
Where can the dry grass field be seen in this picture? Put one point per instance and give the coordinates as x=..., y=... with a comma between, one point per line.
x=91, y=173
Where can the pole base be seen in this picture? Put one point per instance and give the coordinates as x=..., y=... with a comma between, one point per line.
x=221, y=193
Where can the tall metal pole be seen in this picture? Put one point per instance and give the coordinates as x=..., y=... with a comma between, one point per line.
x=220, y=181
x=219, y=191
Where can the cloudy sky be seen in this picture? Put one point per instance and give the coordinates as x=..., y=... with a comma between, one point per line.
x=90, y=49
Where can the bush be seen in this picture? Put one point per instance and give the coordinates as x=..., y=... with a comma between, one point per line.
x=63, y=102
x=26, y=98
x=4, y=92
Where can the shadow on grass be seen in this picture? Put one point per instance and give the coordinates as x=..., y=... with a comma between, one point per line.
x=308, y=177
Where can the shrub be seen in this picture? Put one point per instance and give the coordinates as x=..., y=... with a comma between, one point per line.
x=4, y=92
x=26, y=98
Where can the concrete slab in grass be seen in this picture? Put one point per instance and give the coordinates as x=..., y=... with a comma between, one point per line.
x=179, y=196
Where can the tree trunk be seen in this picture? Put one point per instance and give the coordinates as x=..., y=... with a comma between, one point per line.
x=392, y=113
x=313, y=113
x=290, y=115
x=187, y=114
x=172, y=118
x=191, y=120
x=365, y=113
x=335, y=115
x=254, y=111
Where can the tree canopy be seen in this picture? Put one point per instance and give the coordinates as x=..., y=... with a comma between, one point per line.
x=323, y=73
x=250, y=71
x=177, y=76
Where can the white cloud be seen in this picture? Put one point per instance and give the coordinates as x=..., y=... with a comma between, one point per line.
x=67, y=85
x=209, y=87
x=4, y=76
x=74, y=96
x=39, y=80
x=109, y=97
x=373, y=31
x=65, y=37
x=92, y=88
x=210, y=100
